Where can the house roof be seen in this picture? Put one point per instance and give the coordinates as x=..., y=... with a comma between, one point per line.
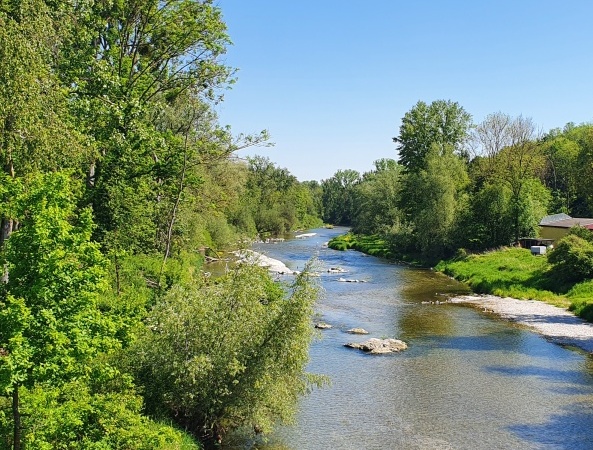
x=548, y=220
x=569, y=223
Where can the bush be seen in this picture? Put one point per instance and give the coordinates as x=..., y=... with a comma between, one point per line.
x=572, y=259
x=72, y=417
x=581, y=232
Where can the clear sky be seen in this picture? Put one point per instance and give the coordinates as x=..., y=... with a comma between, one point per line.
x=331, y=79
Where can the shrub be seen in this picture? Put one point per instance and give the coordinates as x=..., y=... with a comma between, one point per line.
x=572, y=259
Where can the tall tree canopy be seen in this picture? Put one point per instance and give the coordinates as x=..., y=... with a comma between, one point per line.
x=443, y=123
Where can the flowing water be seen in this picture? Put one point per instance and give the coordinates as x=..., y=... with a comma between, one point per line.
x=467, y=381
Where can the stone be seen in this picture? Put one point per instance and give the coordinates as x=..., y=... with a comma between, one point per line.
x=357, y=331
x=323, y=326
x=376, y=346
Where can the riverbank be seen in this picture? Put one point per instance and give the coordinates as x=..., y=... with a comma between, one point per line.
x=516, y=273
x=555, y=323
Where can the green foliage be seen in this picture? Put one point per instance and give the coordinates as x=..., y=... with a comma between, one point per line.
x=376, y=199
x=582, y=233
x=122, y=92
x=73, y=417
x=227, y=354
x=443, y=124
x=339, y=197
x=375, y=245
x=572, y=259
x=36, y=132
x=434, y=196
x=51, y=326
x=275, y=202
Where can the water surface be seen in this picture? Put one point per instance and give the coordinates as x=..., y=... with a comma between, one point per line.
x=467, y=381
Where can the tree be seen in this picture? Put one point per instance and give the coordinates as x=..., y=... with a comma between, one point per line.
x=228, y=354
x=36, y=131
x=443, y=123
x=377, y=196
x=50, y=323
x=488, y=222
x=276, y=200
x=511, y=155
x=572, y=259
x=562, y=172
x=338, y=197
x=127, y=65
x=438, y=196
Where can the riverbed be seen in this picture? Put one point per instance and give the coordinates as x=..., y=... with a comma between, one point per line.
x=469, y=379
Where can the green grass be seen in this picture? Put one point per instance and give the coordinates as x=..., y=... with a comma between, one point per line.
x=514, y=272
x=374, y=245
x=507, y=272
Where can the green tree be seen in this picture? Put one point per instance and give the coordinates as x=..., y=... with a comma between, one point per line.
x=572, y=259
x=377, y=196
x=228, y=354
x=438, y=198
x=277, y=201
x=562, y=172
x=338, y=197
x=443, y=123
x=488, y=222
x=50, y=324
x=511, y=155
x=36, y=130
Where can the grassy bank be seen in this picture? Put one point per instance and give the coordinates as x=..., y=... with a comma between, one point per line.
x=514, y=272
x=374, y=245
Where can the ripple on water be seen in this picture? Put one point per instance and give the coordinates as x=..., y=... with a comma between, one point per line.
x=467, y=381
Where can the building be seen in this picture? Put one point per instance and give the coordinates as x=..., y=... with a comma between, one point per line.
x=556, y=226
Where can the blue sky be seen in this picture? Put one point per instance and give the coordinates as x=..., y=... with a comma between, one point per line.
x=331, y=79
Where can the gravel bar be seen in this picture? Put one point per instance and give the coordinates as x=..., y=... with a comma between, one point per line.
x=556, y=324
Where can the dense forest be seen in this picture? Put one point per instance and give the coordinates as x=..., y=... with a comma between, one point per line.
x=459, y=185
x=116, y=179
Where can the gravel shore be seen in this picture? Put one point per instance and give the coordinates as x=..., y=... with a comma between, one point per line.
x=556, y=324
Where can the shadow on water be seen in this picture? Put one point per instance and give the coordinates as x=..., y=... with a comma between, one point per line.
x=569, y=430
x=558, y=375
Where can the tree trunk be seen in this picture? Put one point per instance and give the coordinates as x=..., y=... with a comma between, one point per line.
x=90, y=178
x=16, y=417
x=6, y=229
x=169, y=236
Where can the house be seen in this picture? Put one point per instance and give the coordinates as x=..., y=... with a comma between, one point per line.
x=556, y=226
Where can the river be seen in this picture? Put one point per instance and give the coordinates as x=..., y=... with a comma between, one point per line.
x=467, y=381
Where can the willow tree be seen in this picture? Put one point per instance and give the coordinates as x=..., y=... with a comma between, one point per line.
x=227, y=354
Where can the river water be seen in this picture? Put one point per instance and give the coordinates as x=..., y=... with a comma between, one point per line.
x=467, y=381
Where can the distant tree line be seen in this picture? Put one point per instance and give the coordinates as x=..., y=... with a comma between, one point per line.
x=115, y=175
x=460, y=185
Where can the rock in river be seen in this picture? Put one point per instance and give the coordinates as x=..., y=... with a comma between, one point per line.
x=376, y=346
x=323, y=326
x=357, y=331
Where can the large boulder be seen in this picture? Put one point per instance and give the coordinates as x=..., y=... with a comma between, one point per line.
x=376, y=346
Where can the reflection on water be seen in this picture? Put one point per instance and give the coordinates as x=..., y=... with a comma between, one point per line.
x=467, y=381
